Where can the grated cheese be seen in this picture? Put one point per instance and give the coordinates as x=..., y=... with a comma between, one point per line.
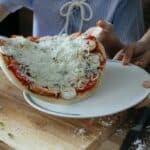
x=57, y=62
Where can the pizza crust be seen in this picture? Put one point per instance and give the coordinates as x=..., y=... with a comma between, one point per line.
x=79, y=97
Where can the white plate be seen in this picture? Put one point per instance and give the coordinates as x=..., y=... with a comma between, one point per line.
x=121, y=89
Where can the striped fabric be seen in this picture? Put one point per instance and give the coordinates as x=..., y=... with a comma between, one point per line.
x=126, y=16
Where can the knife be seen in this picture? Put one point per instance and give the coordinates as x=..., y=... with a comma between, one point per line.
x=137, y=131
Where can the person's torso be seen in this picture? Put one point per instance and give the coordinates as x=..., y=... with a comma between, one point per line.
x=48, y=20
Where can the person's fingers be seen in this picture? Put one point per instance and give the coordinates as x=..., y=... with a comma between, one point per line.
x=129, y=51
x=97, y=32
x=138, y=63
x=143, y=60
x=13, y=36
x=103, y=35
x=105, y=25
x=75, y=35
x=33, y=38
x=146, y=84
x=125, y=55
x=119, y=55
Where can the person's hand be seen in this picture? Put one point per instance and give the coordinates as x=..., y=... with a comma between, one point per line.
x=136, y=53
x=104, y=33
x=146, y=84
x=146, y=101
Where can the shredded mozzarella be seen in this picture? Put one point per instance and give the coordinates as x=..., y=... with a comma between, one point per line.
x=57, y=62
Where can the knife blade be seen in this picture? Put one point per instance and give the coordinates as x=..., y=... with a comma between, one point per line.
x=137, y=131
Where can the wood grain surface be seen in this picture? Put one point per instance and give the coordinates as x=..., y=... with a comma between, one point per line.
x=24, y=128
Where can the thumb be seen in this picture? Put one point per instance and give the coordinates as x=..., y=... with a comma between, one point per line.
x=105, y=25
x=146, y=84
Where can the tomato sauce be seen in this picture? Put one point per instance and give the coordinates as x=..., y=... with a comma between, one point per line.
x=13, y=67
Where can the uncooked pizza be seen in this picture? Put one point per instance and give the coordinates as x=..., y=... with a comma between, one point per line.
x=61, y=69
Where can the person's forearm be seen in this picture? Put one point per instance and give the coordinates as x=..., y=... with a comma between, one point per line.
x=3, y=13
x=146, y=40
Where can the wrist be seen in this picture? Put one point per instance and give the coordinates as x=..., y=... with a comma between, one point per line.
x=143, y=45
x=145, y=40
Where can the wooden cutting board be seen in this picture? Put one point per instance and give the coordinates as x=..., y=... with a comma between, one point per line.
x=24, y=128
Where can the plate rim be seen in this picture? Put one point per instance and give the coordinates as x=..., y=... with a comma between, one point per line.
x=28, y=98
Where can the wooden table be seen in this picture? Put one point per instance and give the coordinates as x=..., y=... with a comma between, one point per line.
x=24, y=128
